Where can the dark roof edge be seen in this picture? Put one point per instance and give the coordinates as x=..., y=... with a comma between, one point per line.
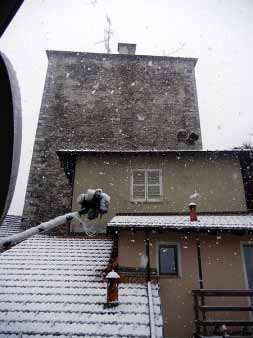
x=146, y=151
x=51, y=53
x=181, y=227
x=200, y=213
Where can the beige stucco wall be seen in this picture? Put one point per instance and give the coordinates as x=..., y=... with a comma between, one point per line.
x=217, y=181
x=222, y=265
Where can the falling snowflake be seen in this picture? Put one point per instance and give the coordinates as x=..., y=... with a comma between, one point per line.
x=140, y=117
x=195, y=195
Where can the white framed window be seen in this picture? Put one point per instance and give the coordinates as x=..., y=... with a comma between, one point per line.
x=146, y=185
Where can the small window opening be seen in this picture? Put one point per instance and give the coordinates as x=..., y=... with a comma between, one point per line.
x=168, y=260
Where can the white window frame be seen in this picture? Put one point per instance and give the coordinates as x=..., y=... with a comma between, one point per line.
x=246, y=283
x=146, y=199
x=179, y=264
x=242, y=244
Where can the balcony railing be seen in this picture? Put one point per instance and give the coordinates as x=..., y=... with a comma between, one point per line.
x=217, y=314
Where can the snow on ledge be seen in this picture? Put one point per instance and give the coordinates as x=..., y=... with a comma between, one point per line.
x=230, y=222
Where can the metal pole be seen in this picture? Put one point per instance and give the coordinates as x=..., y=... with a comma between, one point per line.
x=199, y=264
x=9, y=241
x=201, y=284
x=148, y=255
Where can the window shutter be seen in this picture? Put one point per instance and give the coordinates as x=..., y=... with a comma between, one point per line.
x=153, y=185
x=138, y=185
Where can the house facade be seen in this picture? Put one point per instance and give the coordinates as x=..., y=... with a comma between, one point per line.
x=159, y=181
x=213, y=253
x=129, y=124
x=151, y=194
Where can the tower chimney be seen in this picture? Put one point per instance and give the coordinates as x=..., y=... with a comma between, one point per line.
x=193, y=212
x=127, y=48
x=112, y=288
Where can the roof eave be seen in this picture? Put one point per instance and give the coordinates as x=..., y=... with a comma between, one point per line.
x=61, y=53
x=181, y=228
x=151, y=151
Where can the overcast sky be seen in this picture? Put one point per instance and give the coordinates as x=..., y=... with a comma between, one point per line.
x=217, y=32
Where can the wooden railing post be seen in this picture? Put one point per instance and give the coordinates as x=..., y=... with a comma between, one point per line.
x=221, y=326
x=196, y=310
x=202, y=297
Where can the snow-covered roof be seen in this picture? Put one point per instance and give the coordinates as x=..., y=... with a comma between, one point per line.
x=10, y=226
x=53, y=287
x=230, y=222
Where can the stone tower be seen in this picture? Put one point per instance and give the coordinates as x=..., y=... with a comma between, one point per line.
x=108, y=101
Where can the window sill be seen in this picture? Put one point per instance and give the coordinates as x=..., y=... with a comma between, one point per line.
x=146, y=202
x=169, y=276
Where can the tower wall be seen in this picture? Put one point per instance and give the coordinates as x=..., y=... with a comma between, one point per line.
x=106, y=101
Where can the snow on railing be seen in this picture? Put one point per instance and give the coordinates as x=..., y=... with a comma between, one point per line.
x=12, y=240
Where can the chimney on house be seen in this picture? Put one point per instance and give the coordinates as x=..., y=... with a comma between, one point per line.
x=127, y=48
x=112, y=288
x=193, y=212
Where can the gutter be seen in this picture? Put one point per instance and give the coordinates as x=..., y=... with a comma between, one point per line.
x=148, y=256
x=199, y=264
x=150, y=298
x=151, y=312
x=201, y=282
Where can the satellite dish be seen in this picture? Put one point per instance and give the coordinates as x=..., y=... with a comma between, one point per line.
x=193, y=137
x=11, y=130
x=181, y=135
x=10, y=115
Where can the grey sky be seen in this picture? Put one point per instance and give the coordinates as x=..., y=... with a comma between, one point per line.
x=218, y=32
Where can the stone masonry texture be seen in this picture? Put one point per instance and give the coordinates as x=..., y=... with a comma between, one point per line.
x=106, y=101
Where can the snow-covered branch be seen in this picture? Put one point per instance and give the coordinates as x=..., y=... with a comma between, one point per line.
x=12, y=240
